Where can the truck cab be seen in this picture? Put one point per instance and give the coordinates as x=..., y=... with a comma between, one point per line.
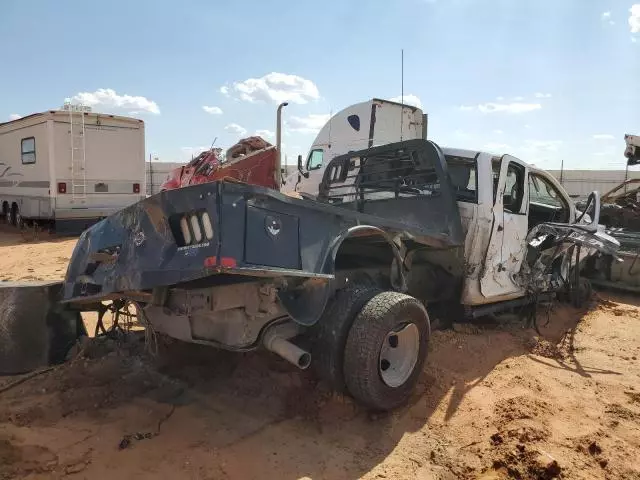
x=359, y=126
x=518, y=223
x=497, y=225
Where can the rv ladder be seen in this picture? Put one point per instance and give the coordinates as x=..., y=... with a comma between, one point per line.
x=78, y=157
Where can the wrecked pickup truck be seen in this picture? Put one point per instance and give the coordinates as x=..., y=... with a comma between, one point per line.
x=343, y=281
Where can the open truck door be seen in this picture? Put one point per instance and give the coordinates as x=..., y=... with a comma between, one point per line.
x=506, y=250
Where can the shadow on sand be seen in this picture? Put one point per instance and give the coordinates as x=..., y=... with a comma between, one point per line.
x=252, y=416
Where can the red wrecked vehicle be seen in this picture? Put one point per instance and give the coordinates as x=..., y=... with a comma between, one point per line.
x=252, y=160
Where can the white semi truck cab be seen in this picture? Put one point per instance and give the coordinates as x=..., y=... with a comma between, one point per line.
x=359, y=126
x=632, y=150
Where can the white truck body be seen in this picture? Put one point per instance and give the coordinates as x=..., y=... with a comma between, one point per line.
x=495, y=235
x=36, y=174
x=362, y=125
x=496, y=226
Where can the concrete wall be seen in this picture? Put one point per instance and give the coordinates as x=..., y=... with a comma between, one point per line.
x=580, y=183
x=157, y=173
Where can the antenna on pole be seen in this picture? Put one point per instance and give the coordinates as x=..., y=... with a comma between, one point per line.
x=401, y=90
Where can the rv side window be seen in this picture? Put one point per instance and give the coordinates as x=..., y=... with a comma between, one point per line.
x=28, y=150
x=315, y=160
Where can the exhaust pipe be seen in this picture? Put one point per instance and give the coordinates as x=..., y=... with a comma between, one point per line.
x=278, y=172
x=276, y=340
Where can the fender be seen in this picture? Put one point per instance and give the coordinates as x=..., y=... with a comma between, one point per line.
x=306, y=302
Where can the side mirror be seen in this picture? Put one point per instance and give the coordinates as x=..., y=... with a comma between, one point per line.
x=302, y=172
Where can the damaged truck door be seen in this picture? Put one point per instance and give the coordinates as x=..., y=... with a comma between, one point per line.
x=506, y=245
x=536, y=240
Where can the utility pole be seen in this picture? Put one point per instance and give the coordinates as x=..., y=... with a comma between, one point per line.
x=150, y=177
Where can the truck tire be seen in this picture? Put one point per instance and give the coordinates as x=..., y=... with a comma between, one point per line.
x=331, y=331
x=385, y=350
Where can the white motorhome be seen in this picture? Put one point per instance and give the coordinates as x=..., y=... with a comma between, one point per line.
x=70, y=167
x=359, y=126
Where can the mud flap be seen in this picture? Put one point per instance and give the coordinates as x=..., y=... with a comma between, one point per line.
x=35, y=330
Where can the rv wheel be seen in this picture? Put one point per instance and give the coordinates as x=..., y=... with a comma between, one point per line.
x=385, y=350
x=14, y=215
x=16, y=218
x=19, y=220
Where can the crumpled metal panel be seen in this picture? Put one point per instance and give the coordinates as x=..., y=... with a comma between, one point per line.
x=549, y=241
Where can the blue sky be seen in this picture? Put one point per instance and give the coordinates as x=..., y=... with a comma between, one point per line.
x=542, y=79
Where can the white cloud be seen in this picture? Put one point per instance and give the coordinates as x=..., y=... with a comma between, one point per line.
x=634, y=18
x=500, y=99
x=543, y=145
x=538, y=151
x=542, y=95
x=107, y=98
x=14, y=116
x=274, y=87
x=634, y=40
x=607, y=151
x=603, y=136
x=408, y=100
x=310, y=124
x=496, y=147
x=498, y=132
x=606, y=15
x=212, y=110
x=235, y=129
x=491, y=107
x=518, y=99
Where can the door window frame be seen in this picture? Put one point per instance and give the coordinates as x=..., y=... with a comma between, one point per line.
x=309, y=168
x=521, y=171
x=547, y=183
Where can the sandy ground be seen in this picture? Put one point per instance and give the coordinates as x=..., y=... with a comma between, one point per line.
x=495, y=401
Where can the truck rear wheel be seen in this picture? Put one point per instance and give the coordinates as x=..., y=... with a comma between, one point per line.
x=331, y=331
x=385, y=350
